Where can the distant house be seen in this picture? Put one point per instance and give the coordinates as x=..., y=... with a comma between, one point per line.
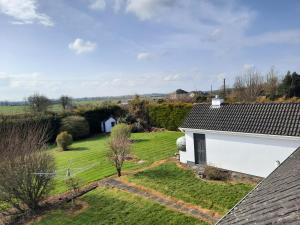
x=248, y=138
x=275, y=200
x=178, y=94
x=108, y=124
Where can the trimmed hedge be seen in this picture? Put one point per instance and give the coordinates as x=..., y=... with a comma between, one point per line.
x=168, y=115
x=52, y=122
x=77, y=126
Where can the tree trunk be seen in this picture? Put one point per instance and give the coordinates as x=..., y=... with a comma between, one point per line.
x=119, y=172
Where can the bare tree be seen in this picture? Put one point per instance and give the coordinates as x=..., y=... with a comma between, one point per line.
x=65, y=101
x=26, y=170
x=119, y=146
x=249, y=85
x=272, y=83
x=38, y=103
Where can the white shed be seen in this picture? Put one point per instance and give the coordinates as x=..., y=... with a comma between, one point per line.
x=248, y=138
x=108, y=124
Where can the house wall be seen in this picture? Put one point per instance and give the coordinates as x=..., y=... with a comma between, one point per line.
x=107, y=124
x=246, y=154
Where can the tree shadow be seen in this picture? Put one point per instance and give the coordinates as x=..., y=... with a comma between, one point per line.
x=78, y=149
x=139, y=140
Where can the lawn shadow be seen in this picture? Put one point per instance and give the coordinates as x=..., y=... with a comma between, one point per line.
x=139, y=140
x=78, y=149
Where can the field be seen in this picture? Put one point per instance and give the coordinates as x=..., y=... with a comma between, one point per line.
x=109, y=206
x=87, y=159
x=179, y=183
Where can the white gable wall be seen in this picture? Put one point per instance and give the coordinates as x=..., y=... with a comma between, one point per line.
x=108, y=125
x=256, y=155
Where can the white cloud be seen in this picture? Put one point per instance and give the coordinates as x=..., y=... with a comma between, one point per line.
x=98, y=5
x=248, y=66
x=80, y=46
x=118, y=4
x=145, y=56
x=172, y=77
x=24, y=12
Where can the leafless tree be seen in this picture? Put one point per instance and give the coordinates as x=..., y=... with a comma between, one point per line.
x=38, y=103
x=26, y=170
x=272, y=82
x=65, y=101
x=249, y=85
x=119, y=146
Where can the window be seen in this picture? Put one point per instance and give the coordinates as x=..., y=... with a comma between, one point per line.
x=113, y=124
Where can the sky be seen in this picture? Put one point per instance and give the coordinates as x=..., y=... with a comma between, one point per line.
x=89, y=48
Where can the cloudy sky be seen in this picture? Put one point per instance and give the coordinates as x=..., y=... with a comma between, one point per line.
x=115, y=47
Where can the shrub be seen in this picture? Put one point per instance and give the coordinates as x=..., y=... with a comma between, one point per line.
x=120, y=130
x=214, y=173
x=64, y=140
x=77, y=126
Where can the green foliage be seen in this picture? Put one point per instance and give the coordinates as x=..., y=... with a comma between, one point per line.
x=290, y=85
x=214, y=173
x=77, y=126
x=120, y=130
x=110, y=206
x=182, y=184
x=138, y=108
x=52, y=122
x=96, y=114
x=168, y=115
x=64, y=140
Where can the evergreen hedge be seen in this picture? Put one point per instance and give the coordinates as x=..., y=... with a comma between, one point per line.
x=77, y=126
x=168, y=115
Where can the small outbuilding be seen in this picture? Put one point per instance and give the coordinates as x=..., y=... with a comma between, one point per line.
x=248, y=138
x=108, y=124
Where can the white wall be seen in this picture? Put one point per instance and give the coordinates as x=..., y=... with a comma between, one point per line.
x=107, y=124
x=247, y=154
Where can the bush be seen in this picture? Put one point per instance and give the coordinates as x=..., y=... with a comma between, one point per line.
x=120, y=130
x=77, y=126
x=64, y=140
x=168, y=115
x=214, y=173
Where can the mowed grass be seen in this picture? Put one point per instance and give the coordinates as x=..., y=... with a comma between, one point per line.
x=87, y=158
x=182, y=184
x=109, y=206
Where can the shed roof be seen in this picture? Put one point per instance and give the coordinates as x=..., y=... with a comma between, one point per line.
x=276, y=200
x=260, y=118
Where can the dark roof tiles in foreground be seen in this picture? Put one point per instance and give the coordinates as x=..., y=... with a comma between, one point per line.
x=276, y=200
x=260, y=118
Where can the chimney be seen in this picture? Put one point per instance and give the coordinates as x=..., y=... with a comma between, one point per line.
x=216, y=102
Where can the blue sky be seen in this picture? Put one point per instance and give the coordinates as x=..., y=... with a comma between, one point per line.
x=114, y=47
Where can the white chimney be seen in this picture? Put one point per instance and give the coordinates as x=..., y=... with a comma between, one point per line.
x=216, y=102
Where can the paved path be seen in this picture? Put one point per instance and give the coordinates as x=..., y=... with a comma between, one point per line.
x=178, y=206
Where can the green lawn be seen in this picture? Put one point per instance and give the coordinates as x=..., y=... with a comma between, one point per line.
x=109, y=206
x=182, y=184
x=88, y=161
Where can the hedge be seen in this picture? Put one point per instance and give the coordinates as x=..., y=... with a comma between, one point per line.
x=52, y=122
x=168, y=115
x=77, y=126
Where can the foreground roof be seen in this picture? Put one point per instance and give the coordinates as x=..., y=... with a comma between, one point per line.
x=260, y=118
x=276, y=200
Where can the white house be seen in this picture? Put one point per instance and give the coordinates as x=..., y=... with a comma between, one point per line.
x=248, y=138
x=108, y=124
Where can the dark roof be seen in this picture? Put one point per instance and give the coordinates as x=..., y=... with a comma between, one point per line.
x=260, y=118
x=276, y=200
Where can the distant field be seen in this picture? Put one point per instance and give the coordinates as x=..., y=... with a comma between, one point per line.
x=20, y=109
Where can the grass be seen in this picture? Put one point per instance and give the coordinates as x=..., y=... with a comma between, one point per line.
x=182, y=184
x=87, y=158
x=109, y=206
